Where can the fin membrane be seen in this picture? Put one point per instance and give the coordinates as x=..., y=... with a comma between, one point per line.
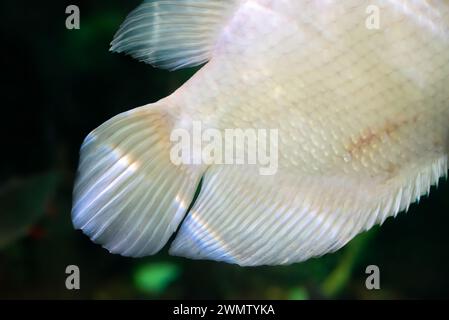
x=247, y=219
x=128, y=196
x=173, y=34
x=131, y=198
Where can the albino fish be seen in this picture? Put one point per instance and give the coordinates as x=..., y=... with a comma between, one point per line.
x=358, y=91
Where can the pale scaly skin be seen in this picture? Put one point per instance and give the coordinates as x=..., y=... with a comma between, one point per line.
x=361, y=115
x=363, y=120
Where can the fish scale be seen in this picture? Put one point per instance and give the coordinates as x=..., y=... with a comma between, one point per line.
x=362, y=117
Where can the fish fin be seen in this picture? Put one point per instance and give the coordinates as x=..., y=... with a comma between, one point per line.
x=128, y=196
x=244, y=218
x=173, y=34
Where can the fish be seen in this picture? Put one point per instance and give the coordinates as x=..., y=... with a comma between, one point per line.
x=356, y=90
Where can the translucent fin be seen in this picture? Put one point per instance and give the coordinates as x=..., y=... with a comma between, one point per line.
x=244, y=218
x=128, y=196
x=173, y=34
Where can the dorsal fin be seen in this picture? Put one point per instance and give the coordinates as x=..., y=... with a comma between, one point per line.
x=173, y=34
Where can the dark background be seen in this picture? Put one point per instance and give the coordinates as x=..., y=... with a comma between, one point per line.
x=60, y=84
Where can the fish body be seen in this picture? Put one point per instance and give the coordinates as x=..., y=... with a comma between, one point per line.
x=361, y=111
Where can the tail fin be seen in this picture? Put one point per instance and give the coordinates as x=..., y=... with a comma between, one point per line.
x=128, y=196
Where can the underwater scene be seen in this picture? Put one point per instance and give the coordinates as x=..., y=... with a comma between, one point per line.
x=114, y=221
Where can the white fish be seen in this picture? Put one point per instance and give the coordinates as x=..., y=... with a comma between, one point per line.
x=362, y=114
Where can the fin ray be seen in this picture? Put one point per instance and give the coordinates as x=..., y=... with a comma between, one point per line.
x=173, y=34
x=294, y=218
x=128, y=193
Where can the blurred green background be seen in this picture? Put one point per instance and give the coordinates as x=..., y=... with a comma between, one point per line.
x=58, y=85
